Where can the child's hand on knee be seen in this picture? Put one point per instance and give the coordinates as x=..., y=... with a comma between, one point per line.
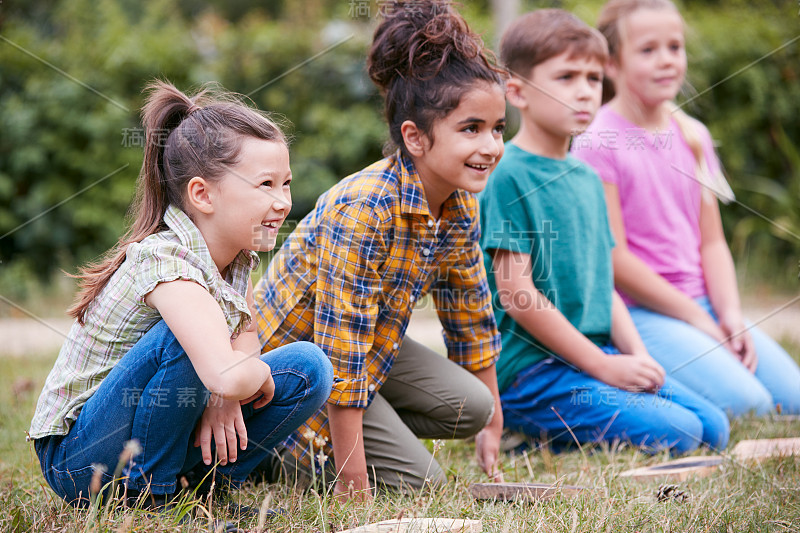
x=632, y=372
x=223, y=420
x=739, y=341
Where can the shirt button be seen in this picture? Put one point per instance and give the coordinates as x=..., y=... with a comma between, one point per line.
x=395, y=346
x=426, y=252
x=371, y=387
x=430, y=222
x=412, y=298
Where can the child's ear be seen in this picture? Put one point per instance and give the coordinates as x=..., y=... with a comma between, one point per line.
x=611, y=69
x=198, y=195
x=414, y=138
x=514, y=93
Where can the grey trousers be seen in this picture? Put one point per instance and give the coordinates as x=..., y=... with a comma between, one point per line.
x=425, y=396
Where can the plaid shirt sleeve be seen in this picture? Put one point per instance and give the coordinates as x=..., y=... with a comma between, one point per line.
x=463, y=303
x=350, y=248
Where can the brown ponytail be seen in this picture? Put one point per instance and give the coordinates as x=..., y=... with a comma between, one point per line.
x=185, y=136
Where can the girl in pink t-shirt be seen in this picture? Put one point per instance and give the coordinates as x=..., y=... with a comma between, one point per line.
x=662, y=180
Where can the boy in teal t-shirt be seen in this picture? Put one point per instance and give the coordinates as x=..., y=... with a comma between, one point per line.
x=571, y=356
x=562, y=225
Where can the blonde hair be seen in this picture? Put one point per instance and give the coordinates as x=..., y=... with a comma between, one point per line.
x=713, y=182
x=608, y=22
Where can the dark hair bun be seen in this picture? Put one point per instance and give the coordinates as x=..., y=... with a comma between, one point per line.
x=416, y=40
x=424, y=58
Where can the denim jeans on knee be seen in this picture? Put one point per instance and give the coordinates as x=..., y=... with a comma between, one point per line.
x=708, y=368
x=153, y=395
x=558, y=403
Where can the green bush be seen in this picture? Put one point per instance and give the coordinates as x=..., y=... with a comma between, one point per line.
x=72, y=143
x=750, y=54
x=66, y=179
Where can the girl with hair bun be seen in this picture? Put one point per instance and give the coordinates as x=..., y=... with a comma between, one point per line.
x=375, y=245
x=164, y=349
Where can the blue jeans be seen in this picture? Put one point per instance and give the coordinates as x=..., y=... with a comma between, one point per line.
x=153, y=395
x=701, y=364
x=674, y=418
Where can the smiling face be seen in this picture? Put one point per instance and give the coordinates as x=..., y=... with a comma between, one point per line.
x=253, y=198
x=464, y=147
x=651, y=65
x=558, y=99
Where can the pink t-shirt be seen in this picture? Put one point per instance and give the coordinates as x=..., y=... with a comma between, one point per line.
x=658, y=192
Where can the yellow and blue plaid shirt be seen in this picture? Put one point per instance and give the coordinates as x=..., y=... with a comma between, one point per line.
x=350, y=274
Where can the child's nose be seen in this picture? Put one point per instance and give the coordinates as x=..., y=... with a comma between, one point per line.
x=584, y=89
x=282, y=201
x=491, y=146
x=665, y=56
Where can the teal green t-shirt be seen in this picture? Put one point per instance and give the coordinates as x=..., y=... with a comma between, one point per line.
x=555, y=211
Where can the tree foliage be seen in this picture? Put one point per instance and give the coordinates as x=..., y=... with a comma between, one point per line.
x=70, y=91
x=71, y=76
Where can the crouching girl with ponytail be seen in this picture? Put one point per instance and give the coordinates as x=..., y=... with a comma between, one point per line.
x=375, y=245
x=164, y=349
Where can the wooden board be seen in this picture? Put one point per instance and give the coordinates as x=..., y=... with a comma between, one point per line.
x=746, y=450
x=421, y=525
x=785, y=418
x=521, y=491
x=677, y=470
x=756, y=450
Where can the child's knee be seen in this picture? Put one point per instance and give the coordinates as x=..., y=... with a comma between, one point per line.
x=716, y=429
x=313, y=361
x=305, y=360
x=683, y=436
x=753, y=398
x=310, y=357
x=475, y=413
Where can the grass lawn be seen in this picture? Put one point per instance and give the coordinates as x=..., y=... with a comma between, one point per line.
x=738, y=497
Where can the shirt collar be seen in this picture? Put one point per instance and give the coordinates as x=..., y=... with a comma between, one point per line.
x=412, y=195
x=456, y=208
x=190, y=236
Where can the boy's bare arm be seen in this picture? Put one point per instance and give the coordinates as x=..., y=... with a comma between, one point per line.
x=552, y=329
x=534, y=312
x=623, y=331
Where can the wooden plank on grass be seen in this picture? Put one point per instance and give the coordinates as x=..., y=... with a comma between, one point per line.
x=421, y=525
x=677, y=470
x=522, y=491
x=785, y=418
x=759, y=449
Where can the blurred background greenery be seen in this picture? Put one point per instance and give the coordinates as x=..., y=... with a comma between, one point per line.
x=72, y=72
